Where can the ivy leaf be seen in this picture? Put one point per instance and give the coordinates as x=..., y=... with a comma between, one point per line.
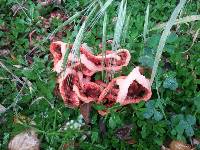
x=170, y=83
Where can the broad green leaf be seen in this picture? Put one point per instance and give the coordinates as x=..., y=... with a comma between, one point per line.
x=158, y=141
x=197, y=103
x=172, y=38
x=153, y=41
x=29, y=74
x=44, y=89
x=99, y=107
x=169, y=49
x=94, y=136
x=144, y=132
x=112, y=122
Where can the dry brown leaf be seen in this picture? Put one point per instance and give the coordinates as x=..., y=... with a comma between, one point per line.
x=178, y=145
x=4, y=52
x=85, y=110
x=102, y=126
x=44, y=2
x=124, y=132
x=22, y=119
x=2, y=109
x=196, y=141
x=48, y=2
x=25, y=141
x=164, y=148
x=131, y=141
x=17, y=8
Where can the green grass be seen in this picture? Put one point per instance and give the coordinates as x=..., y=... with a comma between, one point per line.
x=27, y=81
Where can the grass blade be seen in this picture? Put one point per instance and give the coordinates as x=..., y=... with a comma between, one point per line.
x=75, y=48
x=66, y=56
x=186, y=19
x=145, y=32
x=100, y=13
x=104, y=41
x=70, y=20
x=119, y=25
x=178, y=21
x=104, y=29
x=118, y=32
x=125, y=30
x=104, y=32
x=164, y=36
x=90, y=7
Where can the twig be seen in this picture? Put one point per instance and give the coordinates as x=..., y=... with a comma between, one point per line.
x=193, y=41
x=5, y=68
x=178, y=21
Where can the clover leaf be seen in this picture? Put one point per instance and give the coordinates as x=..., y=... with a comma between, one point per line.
x=170, y=83
x=151, y=110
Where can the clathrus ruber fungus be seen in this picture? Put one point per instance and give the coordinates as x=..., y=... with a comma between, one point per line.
x=77, y=87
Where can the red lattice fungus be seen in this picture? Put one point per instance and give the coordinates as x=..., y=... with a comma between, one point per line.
x=76, y=86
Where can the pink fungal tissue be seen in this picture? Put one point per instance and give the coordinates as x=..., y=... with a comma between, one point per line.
x=77, y=85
